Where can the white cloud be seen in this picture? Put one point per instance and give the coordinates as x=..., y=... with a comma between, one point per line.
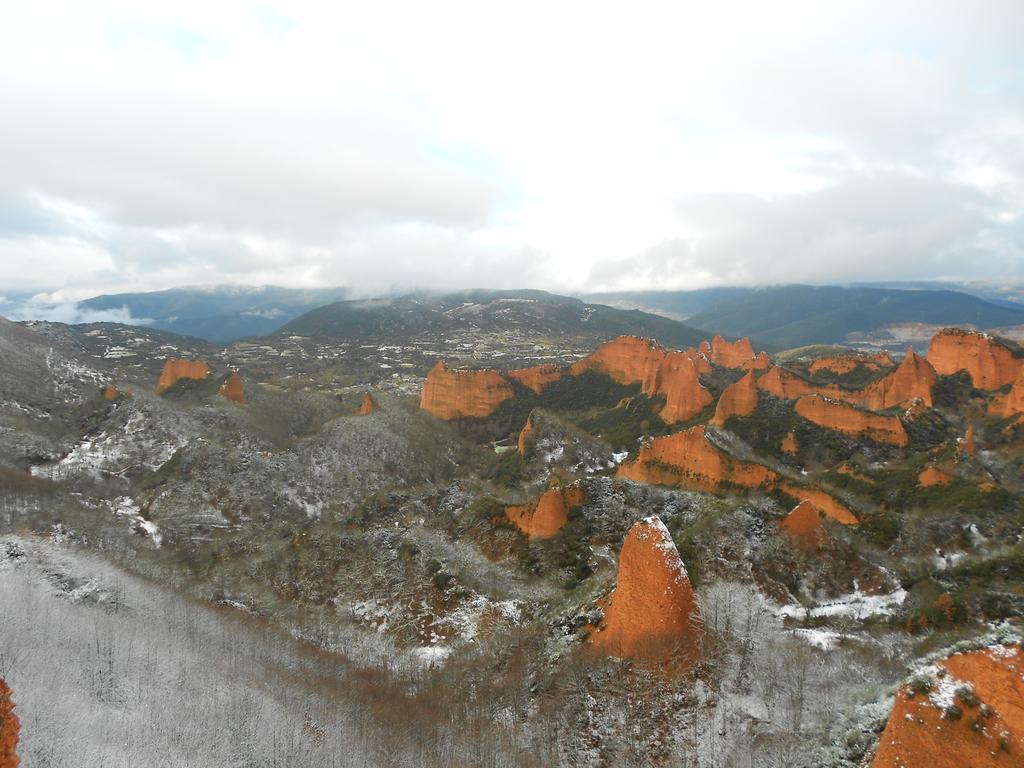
x=564, y=146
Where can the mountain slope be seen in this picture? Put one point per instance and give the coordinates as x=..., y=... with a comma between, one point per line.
x=527, y=312
x=680, y=305
x=223, y=313
x=798, y=315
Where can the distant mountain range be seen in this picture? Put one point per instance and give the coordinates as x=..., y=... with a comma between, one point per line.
x=223, y=313
x=527, y=311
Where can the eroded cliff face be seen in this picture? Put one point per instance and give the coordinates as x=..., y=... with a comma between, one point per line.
x=803, y=523
x=738, y=399
x=967, y=441
x=688, y=459
x=990, y=363
x=844, y=418
x=543, y=518
x=825, y=502
x=735, y=354
x=789, y=443
x=932, y=476
x=175, y=370
x=1010, y=403
x=912, y=380
x=633, y=360
x=527, y=435
x=788, y=386
x=232, y=389
x=539, y=376
x=9, y=728
x=449, y=394
x=367, y=405
x=652, y=614
x=987, y=727
x=843, y=364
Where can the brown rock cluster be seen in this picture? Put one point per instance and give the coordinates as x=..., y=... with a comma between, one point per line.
x=9, y=727
x=674, y=375
x=175, y=370
x=450, y=394
x=652, y=614
x=738, y=399
x=803, y=523
x=539, y=376
x=849, y=420
x=1011, y=403
x=367, y=405
x=543, y=518
x=970, y=712
x=232, y=389
x=990, y=363
x=688, y=459
x=912, y=381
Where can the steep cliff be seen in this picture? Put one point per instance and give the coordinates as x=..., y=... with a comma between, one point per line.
x=527, y=435
x=803, y=523
x=735, y=354
x=844, y=418
x=967, y=710
x=990, y=362
x=967, y=441
x=932, y=476
x=912, y=380
x=367, y=405
x=175, y=370
x=788, y=386
x=539, y=376
x=822, y=500
x=627, y=360
x=451, y=394
x=232, y=389
x=652, y=614
x=543, y=518
x=689, y=460
x=738, y=399
x=1011, y=403
x=676, y=378
x=843, y=364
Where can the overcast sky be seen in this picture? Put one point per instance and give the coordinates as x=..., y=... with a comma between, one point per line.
x=554, y=145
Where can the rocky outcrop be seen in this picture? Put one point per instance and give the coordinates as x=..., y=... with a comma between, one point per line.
x=738, y=399
x=912, y=381
x=844, y=364
x=1011, y=403
x=787, y=385
x=689, y=460
x=855, y=422
x=966, y=442
x=449, y=394
x=232, y=389
x=990, y=363
x=111, y=393
x=735, y=354
x=803, y=523
x=967, y=710
x=543, y=518
x=932, y=476
x=175, y=370
x=527, y=435
x=539, y=376
x=367, y=405
x=673, y=375
x=652, y=614
x=829, y=505
x=9, y=728
x=789, y=443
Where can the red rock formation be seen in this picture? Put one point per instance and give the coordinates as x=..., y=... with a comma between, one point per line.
x=1011, y=403
x=689, y=460
x=174, y=370
x=367, y=405
x=986, y=729
x=538, y=377
x=990, y=363
x=677, y=379
x=111, y=393
x=232, y=389
x=803, y=523
x=967, y=441
x=738, y=399
x=823, y=501
x=734, y=354
x=933, y=476
x=451, y=394
x=633, y=360
x=789, y=443
x=527, y=435
x=652, y=615
x=788, y=386
x=844, y=418
x=700, y=361
x=9, y=727
x=912, y=380
x=843, y=364
x=543, y=518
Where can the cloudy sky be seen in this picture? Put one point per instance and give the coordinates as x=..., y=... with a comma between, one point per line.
x=557, y=145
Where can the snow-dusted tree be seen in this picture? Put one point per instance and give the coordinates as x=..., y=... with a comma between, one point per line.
x=8, y=728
